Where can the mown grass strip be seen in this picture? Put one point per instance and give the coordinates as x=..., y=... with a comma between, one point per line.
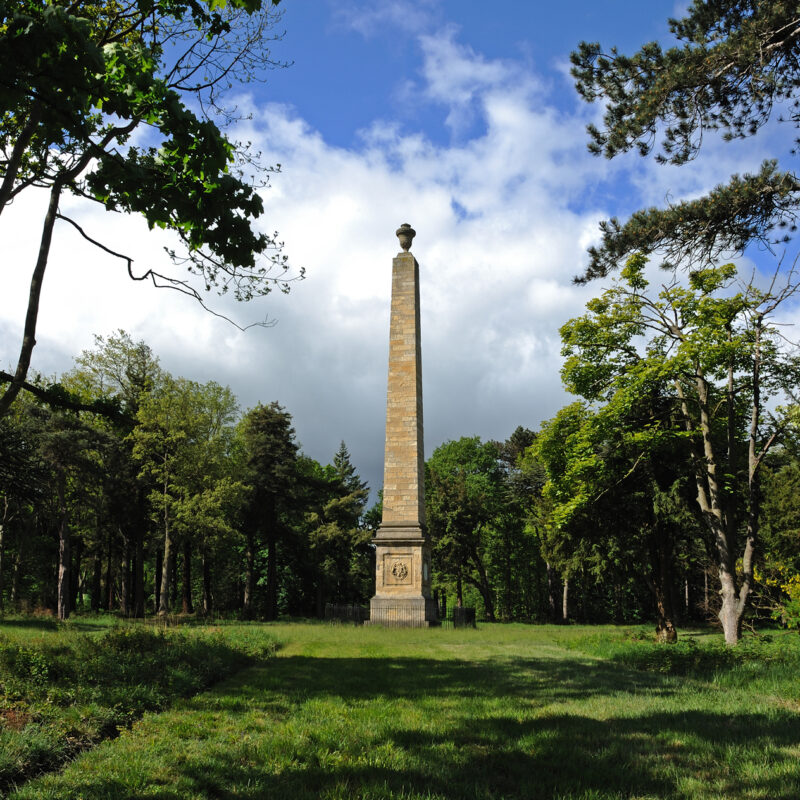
x=67, y=691
x=502, y=712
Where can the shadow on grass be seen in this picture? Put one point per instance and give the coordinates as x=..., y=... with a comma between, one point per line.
x=486, y=746
x=51, y=625
x=32, y=623
x=555, y=757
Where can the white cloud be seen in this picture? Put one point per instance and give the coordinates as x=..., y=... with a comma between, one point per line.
x=503, y=221
x=379, y=15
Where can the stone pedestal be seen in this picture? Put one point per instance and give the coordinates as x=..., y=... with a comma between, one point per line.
x=402, y=579
x=403, y=553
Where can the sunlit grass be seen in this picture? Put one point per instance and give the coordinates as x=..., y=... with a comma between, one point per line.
x=501, y=712
x=64, y=688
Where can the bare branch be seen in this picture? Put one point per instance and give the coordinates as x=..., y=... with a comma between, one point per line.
x=168, y=283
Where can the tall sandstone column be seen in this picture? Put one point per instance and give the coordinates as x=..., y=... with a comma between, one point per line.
x=403, y=553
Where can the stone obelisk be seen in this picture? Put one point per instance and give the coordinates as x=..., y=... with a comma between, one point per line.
x=403, y=553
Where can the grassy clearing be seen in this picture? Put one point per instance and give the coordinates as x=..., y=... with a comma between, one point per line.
x=501, y=712
x=765, y=664
x=64, y=688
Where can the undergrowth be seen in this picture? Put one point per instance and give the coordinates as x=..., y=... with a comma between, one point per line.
x=62, y=694
x=767, y=662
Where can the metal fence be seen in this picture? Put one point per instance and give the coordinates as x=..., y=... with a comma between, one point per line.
x=346, y=613
x=458, y=618
x=398, y=616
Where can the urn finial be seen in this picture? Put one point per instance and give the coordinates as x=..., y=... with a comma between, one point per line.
x=405, y=233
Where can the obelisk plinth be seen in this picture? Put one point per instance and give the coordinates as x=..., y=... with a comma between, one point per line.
x=403, y=553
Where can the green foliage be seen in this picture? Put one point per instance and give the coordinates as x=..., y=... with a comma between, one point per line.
x=735, y=61
x=765, y=659
x=81, y=78
x=679, y=378
x=722, y=77
x=480, y=507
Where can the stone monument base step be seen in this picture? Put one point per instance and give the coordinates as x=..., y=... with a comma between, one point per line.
x=403, y=612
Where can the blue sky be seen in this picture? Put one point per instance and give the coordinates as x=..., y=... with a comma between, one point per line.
x=457, y=117
x=356, y=62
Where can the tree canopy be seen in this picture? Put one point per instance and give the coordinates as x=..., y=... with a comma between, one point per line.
x=735, y=66
x=80, y=78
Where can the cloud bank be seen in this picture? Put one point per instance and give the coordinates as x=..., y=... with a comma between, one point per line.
x=503, y=215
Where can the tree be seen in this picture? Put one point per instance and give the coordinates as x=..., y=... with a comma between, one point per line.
x=619, y=505
x=339, y=543
x=117, y=368
x=81, y=77
x=118, y=373
x=22, y=478
x=67, y=450
x=736, y=63
x=270, y=458
x=464, y=497
x=716, y=358
x=184, y=433
x=515, y=553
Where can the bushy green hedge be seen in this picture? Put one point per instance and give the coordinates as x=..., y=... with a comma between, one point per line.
x=59, y=697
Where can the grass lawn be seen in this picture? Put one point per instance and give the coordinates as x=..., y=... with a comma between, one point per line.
x=66, y=687
x=499, y=712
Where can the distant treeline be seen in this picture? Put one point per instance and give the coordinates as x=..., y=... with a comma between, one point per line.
x=123, y=488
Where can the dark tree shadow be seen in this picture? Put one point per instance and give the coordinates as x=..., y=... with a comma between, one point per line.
x=51, y=624
x=558, y=754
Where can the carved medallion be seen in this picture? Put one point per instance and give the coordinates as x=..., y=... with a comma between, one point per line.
x=400, y=570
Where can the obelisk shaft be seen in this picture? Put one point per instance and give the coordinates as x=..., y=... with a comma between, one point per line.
x=402, y=552
x=404, y=464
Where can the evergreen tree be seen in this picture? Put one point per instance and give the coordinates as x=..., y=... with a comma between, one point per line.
x=735, y=63
x=270, y=462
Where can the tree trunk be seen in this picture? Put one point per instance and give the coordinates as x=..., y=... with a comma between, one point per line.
x=207, y=600
x=729, y=614
x=17, y=157
x=272, y=576
x=97, y=580
x=138, y=575
x=249, y=576
x=2, y=543
x=110, y=573
x=76, y=575
x=17, y=571
x=166, y=562
x=63, y=592
x=125, y=589
x=552, y=592
x=186, y=599
x=665, y=628
x=444, y=604
x=3, y=528
x=507, y=579
x=686, y=606
x=158, y=574
x=459, y=593
x=564, y=601
x=484, y=588
x=34, y=294
x=665, y=608
x=711, y=502
x=166, y=574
